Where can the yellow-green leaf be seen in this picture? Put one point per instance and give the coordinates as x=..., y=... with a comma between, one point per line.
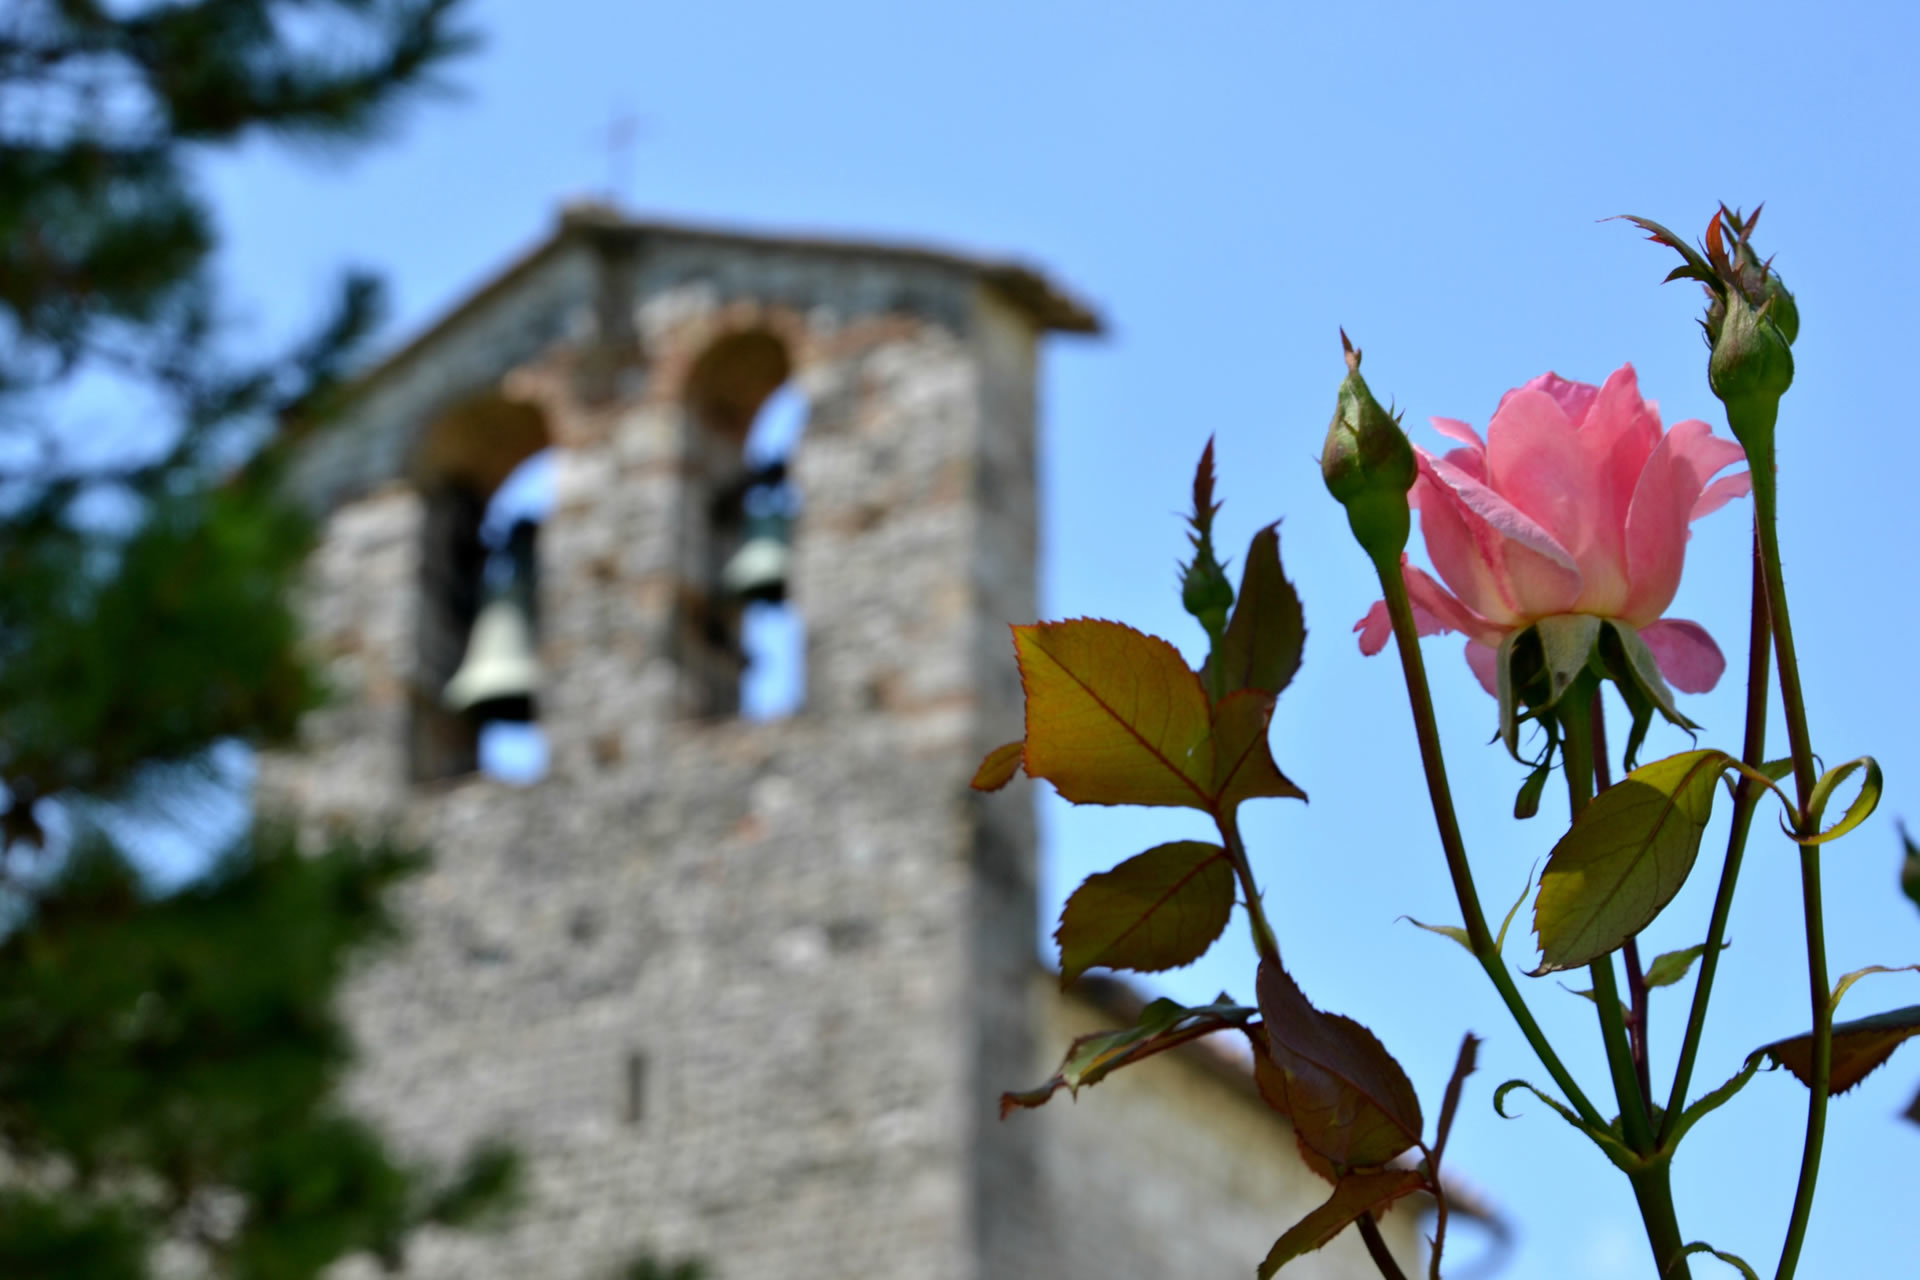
x=1858, y=1048
x=1243, y=767
x=1114, y=716
x=1669, y=967
x=1158, y=910
x=1858, y=812
x=1355, y=1194
x=997, y=770
x=1264, y=638
x=1623, y=860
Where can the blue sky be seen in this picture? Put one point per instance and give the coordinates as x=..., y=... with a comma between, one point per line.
x=1230, y=180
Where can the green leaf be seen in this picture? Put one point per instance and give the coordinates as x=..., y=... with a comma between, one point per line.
x=997, y=770
x=1500, y=939
x=1348, y=1098
x=1243, y=767
x=1267, y=633
x=1858, y=812
x=1669, y=967
x=1609, y=1144
x=1566, y=646
x=1453, y=931
x=1505, y=693
x=1625, y=857
x=1526, y=801
x=1840, y=988
x=1713, y=1101
x=1859, y=1047
x=1355, y=1194
x=1114, y=716
x=1158, y=910
x=1162, y=1025
x=1910, y=869
x=1643, y=674
x=1733, y=1260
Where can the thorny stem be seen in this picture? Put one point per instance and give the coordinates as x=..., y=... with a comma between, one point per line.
x=1479, y=937
x=1746, y=800
x=1377, y=1249
x=1760, y=464
x=1265, y=941
x=1651, y=1187
x=1637, y=1035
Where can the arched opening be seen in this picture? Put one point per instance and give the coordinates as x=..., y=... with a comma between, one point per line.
x=478, y=597
x=743, y=652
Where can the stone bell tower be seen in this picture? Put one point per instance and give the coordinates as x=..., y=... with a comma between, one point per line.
x=741, y=990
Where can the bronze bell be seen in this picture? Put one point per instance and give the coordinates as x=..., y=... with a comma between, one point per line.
x=499, y=675
x=758, y=570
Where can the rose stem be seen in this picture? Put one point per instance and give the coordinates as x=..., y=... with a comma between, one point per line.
x=1746, y=799
x=1479, y=937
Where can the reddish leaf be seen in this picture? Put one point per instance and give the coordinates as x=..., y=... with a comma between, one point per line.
x=1243, y=767
x=1357, y=1193
x=1272, y=1083
x=1348, y=1098
x=997, y=770
x=1162, y=1025
x=1463, y=1066
x=1158, y=910
x=1265, y=636
x=1858, y=1048
x=1114, y=716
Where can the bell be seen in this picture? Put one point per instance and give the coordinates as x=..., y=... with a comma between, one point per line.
x=498, y=676
x=758, y=570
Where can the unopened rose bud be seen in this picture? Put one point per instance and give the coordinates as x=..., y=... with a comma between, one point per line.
x=1751, y=368
x=1368, y=465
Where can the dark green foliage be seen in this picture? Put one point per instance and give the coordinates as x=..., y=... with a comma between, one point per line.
x=165, y=1053
x=168, y=1066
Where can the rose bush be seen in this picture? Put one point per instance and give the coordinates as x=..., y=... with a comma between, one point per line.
x=1576, y=503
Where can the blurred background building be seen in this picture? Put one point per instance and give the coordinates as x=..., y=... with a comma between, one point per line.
x=741, y=969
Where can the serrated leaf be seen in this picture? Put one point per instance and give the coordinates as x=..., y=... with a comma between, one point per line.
x=1114, y=716
x=1858, y=812
x=1157, y=910
x=1162, y=1025
x=1272, y=1084
x=1354, y=1195
x=1453, y=931
x=1348, y=1098
x=997, y=770
x=1624, y=858
x=1671, y=966
x=1733, y=1260
x=1267, y=632
x=1859, y=1047
x=1243, y=767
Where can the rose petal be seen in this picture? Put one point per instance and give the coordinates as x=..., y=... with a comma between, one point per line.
x=1720, y=493
x=1574, y=398
x=1685, y=653
x=1657, y=534
x=1374, y=628
x=1485, y=661
x=1434, y=603
x=1619, y=436
x=1497, y=559
x=1454, y=429
x=1538, y=462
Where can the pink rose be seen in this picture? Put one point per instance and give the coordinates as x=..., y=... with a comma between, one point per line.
x=1576, y=504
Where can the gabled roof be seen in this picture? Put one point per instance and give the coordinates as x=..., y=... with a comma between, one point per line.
x=591, y=223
